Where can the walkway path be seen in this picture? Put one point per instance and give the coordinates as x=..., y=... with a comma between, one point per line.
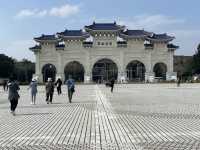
x=133, y=117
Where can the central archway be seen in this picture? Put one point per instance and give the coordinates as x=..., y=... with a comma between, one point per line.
x=135, y=71
x=104, y=70
x=48, y=71
x=76, y=70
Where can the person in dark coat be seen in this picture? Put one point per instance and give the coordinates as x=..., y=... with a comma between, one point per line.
x=49, y=91
x=179, y=82
x=59, y=84
x=5, y=85
x=13, y=94
x=71, y=87
x=112, y=82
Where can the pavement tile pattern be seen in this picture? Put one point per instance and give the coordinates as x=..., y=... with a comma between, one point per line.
x=135, y=116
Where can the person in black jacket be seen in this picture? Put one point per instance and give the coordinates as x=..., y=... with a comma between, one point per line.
x=13, y=94
x=49, y=90
x=59, y=84
x=5, y=85
x=112, y=82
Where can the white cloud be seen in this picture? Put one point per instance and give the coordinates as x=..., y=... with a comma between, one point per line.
x=151, y=22
x=26, y=13
x=63, y=11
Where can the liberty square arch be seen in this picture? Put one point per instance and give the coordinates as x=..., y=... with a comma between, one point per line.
x=106, y=50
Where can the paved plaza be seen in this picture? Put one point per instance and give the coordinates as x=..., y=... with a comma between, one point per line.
x=135, y=116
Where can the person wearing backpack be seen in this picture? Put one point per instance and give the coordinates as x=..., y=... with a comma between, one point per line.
x=71, y=87
x=49, y=90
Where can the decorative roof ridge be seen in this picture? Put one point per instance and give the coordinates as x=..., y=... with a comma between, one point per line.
x=73, y=33
x=43, y=37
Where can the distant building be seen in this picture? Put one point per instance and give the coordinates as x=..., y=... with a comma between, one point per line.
x=104, y=51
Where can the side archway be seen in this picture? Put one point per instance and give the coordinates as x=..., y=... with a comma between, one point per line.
x=48, y=71
x=135, y=71
x=76, y=70
x=104, y=70
x=160, y=70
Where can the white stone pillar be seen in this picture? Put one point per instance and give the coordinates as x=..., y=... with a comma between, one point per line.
x=121, y=70
x=38, y=68
x=88, y=72
x=149, y=74
x=171, y=61
x=171, y=75
x=60, y=69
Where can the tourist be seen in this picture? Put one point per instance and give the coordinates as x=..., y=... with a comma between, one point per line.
x=71, y=87
x=5, y=85
x=13, y=94
x=178, y=81
x=33, y=90
x=59, y=84
x=49, y=90
x=112, y=82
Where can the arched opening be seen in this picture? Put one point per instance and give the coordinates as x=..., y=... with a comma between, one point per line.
x=76, y=70
x=48, y=71
x=135, y=71
x=160, y=70
x=103, y=70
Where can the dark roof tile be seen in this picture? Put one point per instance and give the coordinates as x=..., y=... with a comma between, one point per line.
x=172, y=46
x=46, y=37
x=72, y=33
x=104, y=26
x=163, y=37
x=137, y=33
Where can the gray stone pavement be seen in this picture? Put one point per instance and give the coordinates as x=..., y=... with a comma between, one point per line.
x=135, y=116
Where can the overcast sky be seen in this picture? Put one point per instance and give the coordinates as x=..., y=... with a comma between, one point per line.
x=22, y=20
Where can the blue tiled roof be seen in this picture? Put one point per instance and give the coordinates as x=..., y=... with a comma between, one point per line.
x=60, y=46
x=46, y=37
x=35, y=47
x=161, y=37
x=136, y=33
x=104, y=26
x=172, y=46
x=121, y=42
x=87, y=42
x=73, y=33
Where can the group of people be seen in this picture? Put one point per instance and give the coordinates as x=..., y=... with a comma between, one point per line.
x=13, y=94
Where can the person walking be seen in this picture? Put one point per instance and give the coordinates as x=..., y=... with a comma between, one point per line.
x=33, y=90
x=179, y=82
x=13, y=95
x=112, y=82
x=71, y=88
x=49, y=91
x=5, y=85
x=59, y=84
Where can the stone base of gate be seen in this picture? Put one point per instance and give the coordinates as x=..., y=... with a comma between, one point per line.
x=149, y=77
x=171, y=76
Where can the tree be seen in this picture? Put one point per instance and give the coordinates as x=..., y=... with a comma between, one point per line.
x=196, y=61
x=24, y=70
x=6, y=66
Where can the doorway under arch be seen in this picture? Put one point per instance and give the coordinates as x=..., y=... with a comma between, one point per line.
x=104, y=70
x=49, y=71
x=76, y=70
x=135, y=71
x=160, y=70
